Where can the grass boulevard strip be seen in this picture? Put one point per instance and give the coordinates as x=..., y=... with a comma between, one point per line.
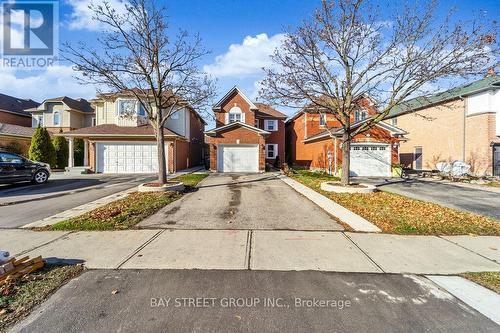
x=398, y=214
x=126, y=213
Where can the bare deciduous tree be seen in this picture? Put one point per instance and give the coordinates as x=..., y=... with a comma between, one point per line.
x=137, y=54
x=346, y=53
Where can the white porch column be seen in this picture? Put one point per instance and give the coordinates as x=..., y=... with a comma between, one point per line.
x=85, y=152
x=71, y=161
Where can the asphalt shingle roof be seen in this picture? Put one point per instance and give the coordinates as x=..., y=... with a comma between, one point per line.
x=16, y=130
x=267, y=110
x=16, y=105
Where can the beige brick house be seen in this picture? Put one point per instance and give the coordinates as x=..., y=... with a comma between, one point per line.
x=460, y=124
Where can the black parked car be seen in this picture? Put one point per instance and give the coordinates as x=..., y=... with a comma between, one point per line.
x=15, y=168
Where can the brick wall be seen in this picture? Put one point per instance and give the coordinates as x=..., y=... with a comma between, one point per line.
x=235, y=100
x=314, y=154
x=231, y=136
x=15, y=119
x=197, y=128
x=276, y=137
x=479, y=134
x=439, y=130
x=11, y=143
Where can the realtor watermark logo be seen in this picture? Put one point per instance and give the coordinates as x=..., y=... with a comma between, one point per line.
x=30, y=35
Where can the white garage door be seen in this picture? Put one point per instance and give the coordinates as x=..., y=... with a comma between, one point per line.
x=238, y=158
x=127, y=157
x=370, y=160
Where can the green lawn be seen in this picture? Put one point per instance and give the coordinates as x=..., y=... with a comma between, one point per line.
x=490, y=280
x=402, y=215
x=127, y=212
x=19, y=297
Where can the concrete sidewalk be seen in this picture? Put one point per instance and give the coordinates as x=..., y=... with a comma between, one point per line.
x=260, y=250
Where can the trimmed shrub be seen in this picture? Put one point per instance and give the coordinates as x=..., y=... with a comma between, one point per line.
x=41, y=148
x=62, y=151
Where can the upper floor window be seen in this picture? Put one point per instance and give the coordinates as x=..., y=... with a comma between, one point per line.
x=142, y=111
x=235, y=114
x=174, y=115
x=360, y=115
x=37, y=121
x=394, y=121
x=57, y=118
x=270, y=125
x=130, y=107
x=93, y=121
x=322, y=119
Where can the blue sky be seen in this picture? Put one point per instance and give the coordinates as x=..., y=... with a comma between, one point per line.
x=241, y=35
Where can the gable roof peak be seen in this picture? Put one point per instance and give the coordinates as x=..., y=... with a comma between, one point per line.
x=218, y=105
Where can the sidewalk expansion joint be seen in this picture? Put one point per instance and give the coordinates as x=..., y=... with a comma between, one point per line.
x=44, y=244
x=146, y=243
x=465, y=248
x=248, y=249
x=362, y=251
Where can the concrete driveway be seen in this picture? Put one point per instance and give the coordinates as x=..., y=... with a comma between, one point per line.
x=29, y=203
x=464, y=198
x=243, y=201
x=251, y=301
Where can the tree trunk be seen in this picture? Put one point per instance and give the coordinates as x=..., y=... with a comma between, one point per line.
x=346, y=162
x=160, y=145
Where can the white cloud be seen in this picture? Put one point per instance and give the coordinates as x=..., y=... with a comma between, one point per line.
x=81, y=15
x=247, y=58
x=52, y=82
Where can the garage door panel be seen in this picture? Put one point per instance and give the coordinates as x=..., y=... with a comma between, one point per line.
x=238, y=158
x=127, y=158
x=370, y=160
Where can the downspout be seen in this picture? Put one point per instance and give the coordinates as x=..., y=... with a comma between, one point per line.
x=464, y=128
x=335, y=156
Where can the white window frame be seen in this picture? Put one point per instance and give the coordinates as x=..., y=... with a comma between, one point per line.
x=58, y=114
x=235, y=114
x=275, y=150
x=322, y=119
x=271, y=121
x=138, y=107
x=38, y=121
x=358, y=117
x=394, y=121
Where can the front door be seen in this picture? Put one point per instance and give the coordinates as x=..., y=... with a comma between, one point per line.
x=417, y=157
x=496, y=160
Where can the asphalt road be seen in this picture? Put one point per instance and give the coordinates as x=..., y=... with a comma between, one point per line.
x=251, y=301
x=469, y=199
x=88, y=187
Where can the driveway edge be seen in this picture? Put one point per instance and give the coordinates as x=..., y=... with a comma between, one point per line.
x=479, y=298
x=355, y=221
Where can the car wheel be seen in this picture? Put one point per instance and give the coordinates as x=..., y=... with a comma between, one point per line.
x=40, y=177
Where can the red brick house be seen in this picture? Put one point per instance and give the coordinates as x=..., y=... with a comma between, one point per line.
x=373, y=153
x=12, y=110
x=246, y=136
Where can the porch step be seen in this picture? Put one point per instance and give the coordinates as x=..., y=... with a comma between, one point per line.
x=79, y=170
